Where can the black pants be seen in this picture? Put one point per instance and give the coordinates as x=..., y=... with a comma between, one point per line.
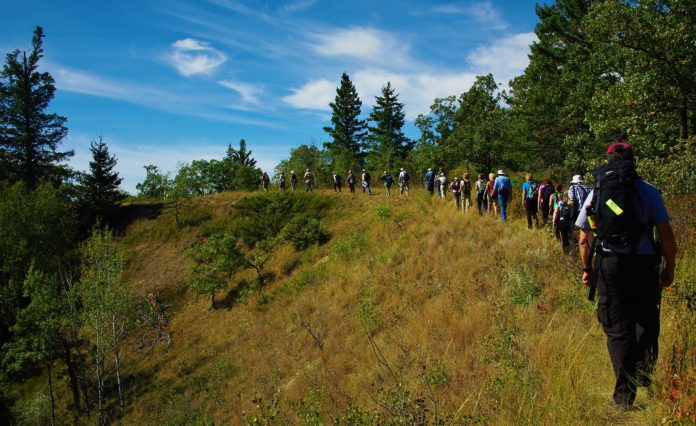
x=530, y=205
x=562, y=236
x=629, y=311
x=545, y=211
x=481, y=203
x=351, y=186
x=337, y=187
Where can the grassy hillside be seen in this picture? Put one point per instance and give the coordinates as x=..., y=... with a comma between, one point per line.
x=411, y=313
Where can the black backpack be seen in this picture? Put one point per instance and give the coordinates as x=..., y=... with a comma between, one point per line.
x=565, y=216
x=614, y=206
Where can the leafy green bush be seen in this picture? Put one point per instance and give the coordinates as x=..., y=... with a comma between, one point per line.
x=264, y=216
x=303, y=231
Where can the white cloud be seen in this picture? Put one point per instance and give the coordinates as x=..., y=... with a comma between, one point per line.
x=483, y=12
x=249, y=92
x=191, y=57
x=314, y=95
x=505, y=58
x=416, y=91
x=364, y=44
x=297, y=6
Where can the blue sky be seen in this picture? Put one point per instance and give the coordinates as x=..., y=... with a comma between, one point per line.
x=167, y=81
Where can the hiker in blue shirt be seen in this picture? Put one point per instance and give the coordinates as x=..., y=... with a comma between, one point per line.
x=429, y=180
x=530, y=195
x=503, y=188
x=577, y=194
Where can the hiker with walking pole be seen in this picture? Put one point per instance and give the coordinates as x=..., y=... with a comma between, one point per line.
x=617, y=219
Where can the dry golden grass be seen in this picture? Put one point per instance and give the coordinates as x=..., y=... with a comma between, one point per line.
x=412, y=308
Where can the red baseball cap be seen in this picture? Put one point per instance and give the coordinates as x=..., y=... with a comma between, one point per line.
x=619, y=147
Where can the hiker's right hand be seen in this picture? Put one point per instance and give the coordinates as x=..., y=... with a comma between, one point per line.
x=586, y=276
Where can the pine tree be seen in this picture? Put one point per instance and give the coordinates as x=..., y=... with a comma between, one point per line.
x=240, y=156
x=347, y=132
x=386, y=137
x=29, y=137
x=99, y=189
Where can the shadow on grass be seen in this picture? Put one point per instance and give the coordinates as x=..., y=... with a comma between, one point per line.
x=243, y=289
x=131, y=212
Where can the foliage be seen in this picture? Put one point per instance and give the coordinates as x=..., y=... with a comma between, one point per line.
x=307, y=157
x=387, y=141
x=107, y=305
x=99, y=188
x=303, y=231
x=264, y=216
x=212, y=264
x=38, y=226
x=29, y=137
x=39, y=326
x=347, y=131
x=478, y=133
x=241, y=156
x=156, y=184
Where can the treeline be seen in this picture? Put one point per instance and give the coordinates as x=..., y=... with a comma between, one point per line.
x=599, y=72
x=63, y=298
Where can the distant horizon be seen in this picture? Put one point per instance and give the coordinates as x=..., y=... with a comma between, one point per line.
x=175, y=81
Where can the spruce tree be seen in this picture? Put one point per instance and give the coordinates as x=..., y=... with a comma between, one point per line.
x=386, y=138
x=347, y=131
x=99, y=189
x=29, y=137
x=240, y=156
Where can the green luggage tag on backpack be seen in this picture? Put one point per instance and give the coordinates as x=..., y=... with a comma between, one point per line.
x=614, y=207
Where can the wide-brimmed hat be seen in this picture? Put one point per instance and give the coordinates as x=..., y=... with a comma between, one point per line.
x=501, y=173
x=577, y=179
x=429, y=169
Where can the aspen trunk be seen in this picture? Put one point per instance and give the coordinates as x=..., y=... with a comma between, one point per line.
x=50, y=392
x=118, y=361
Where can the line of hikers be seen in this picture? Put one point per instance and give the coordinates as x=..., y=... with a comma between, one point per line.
x=493, y=195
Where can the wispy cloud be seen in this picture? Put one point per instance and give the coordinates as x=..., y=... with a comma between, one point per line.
x=191, y=57
x=365, y=44
x=195, y=105
x=297, y=6
x=483, y=12
x=249, y=92
x=416, y=91
x=314, y=95
x=504, y=58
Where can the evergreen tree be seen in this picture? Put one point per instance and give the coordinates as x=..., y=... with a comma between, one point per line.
x=347, y=131
x=240, y=156
x=386, y=138
x=29, y=137
x=99, y=189
x=550, y=100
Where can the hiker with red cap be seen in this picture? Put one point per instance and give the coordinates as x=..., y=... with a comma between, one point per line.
x=630, y=268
